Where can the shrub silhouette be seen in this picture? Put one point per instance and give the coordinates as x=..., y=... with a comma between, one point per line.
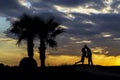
x=28, y=64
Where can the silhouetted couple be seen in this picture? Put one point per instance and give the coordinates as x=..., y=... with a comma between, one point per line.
x=86, y=53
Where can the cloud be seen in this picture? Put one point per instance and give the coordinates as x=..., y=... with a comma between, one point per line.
x=12, y=8
x=6, y=39
x=72, y=3
x=16, y=7
x=86, y=21
x=10, y=53
x=115, y=6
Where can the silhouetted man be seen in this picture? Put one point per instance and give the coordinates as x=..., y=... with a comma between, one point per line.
x=89, y=55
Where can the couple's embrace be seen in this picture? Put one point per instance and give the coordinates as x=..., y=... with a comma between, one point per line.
x=86, y=53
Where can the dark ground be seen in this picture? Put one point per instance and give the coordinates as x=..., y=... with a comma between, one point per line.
x=67, y=72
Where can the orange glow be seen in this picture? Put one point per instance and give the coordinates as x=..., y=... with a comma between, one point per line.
x=97, y=60
x=10, y=54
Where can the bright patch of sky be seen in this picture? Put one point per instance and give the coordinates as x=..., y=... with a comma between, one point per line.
x=25, y=3
x=106, y=34
x=81, y=9
x=88, y=10
x=4, y=24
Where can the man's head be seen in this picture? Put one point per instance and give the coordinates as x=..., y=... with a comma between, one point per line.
x=85, y=46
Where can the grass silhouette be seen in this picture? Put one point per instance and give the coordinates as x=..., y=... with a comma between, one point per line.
x=66, y=72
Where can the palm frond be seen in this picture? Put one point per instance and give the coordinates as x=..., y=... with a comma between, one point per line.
x=52, y=43
x=58, y=31
x=20, y=39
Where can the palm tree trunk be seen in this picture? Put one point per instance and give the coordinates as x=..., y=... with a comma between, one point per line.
x=42, y=49
x=30, y=48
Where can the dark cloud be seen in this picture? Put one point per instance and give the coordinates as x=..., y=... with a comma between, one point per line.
x=101, y=23
x=73, y=3
x=9, y=4
x=82, y=26
x=107, y=22
x=115, y=4
x=12, y=8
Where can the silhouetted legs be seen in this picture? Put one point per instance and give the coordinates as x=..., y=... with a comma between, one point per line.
x=90, y=62
x=79, y=62
x=82, y=60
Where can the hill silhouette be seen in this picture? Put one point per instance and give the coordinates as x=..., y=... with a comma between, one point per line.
x=66, y=72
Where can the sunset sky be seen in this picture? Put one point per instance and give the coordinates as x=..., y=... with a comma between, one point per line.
x=92, y=22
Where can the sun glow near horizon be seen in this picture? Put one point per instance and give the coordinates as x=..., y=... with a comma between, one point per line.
x=97, y=60
x=15, y=56
x=11, y=54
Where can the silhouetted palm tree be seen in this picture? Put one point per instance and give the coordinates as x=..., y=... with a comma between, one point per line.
x=25, y=29
x=28, y=27
x=47, y=35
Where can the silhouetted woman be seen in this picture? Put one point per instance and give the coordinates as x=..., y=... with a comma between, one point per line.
x=83, y=56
